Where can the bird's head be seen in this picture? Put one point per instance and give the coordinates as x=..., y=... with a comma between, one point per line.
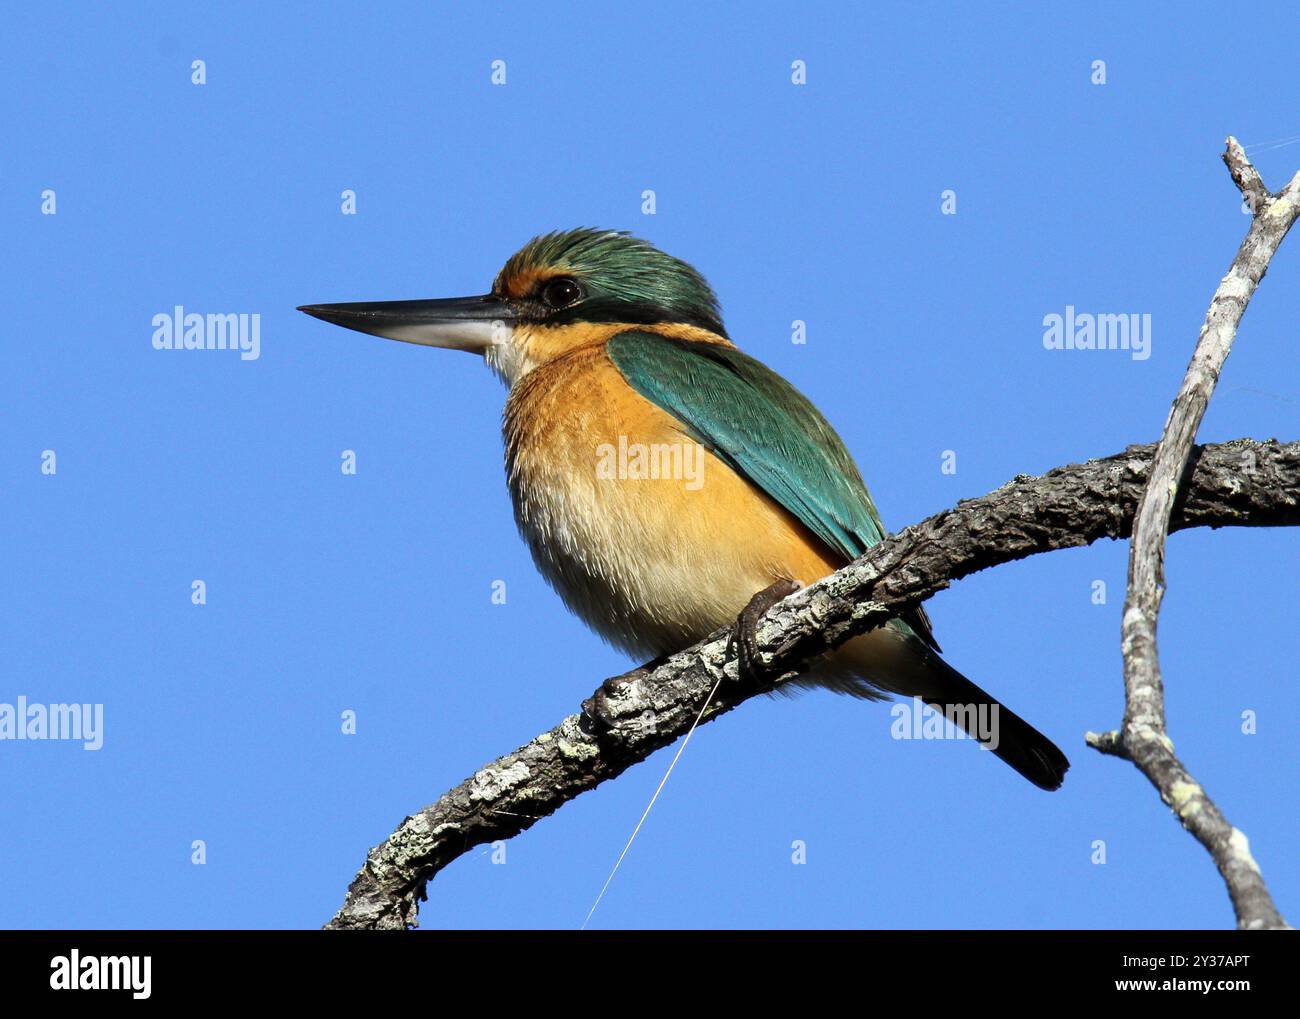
x=559, y=292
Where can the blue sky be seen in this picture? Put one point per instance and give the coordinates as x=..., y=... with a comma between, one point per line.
x=372, y=593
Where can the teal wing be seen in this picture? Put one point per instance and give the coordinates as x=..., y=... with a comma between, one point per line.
x=764, y=429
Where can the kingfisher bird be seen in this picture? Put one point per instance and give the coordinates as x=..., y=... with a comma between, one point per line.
x=666, y=482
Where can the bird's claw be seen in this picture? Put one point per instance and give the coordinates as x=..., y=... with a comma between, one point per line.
x=744, y=638
x=598, y=715
x=596, y=709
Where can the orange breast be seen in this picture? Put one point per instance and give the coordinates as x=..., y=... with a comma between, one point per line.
x=647, y=536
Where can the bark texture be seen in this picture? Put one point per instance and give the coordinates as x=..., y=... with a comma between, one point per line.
x=1145, y=492
x=1143, y=736
x=1241, y=483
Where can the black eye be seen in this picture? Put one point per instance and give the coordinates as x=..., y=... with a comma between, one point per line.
x=561, y=292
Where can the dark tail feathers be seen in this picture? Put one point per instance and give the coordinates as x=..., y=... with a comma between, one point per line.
x=1018, y=743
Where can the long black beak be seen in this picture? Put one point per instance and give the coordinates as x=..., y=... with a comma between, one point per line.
x=460, y=323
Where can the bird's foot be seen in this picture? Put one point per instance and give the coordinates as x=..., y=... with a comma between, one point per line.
x=599, y=715
x=597, y=712
x=744, y=638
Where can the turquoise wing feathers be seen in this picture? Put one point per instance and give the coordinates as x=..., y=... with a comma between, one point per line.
x=761, y=426
x=764, y=429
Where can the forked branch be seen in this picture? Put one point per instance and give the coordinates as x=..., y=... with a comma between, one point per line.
x=1143, y=737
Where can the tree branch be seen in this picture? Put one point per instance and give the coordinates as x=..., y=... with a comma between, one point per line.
x=1241, y=483
x=1143, y=737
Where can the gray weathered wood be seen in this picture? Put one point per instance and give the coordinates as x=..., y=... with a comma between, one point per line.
x=1065, y=508
x=1143, y=737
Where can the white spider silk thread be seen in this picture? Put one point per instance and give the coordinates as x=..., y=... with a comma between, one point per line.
x=662, y=782
x=1275, y=144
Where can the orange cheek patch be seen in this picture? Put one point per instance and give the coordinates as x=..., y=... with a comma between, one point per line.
x=545, y=343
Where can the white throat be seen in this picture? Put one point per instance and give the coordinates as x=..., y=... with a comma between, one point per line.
x=507, y=361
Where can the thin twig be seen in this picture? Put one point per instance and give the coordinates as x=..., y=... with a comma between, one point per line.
x=1143, y=737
